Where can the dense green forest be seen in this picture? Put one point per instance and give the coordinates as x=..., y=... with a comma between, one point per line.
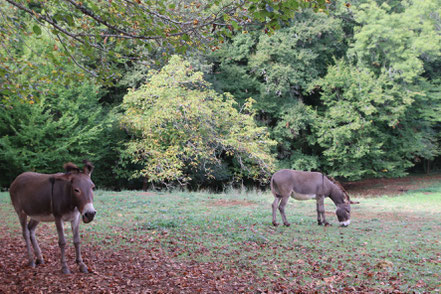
x=349, y=88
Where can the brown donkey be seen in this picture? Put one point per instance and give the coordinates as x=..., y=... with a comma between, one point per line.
x=303, y=185
x=54, y=198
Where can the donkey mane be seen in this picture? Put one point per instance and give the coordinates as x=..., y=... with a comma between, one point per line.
x=340, y=186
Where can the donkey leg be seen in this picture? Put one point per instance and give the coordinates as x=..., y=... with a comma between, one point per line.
x=76, y=239
x=32, y=225
x=275, y=205
x=23, y=222
x=62, y=244
x=321, y=219
x=282, y=210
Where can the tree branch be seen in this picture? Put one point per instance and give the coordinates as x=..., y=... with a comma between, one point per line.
x=74, y=60
x=98, y=19
x=46, y=19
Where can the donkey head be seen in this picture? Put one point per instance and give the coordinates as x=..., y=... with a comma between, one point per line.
x=343, y=203
x=81, y=187
x=344, y=214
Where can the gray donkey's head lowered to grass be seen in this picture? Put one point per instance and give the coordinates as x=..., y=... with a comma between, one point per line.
x=303, y=185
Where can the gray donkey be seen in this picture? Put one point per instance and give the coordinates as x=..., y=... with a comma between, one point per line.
x=303, y=185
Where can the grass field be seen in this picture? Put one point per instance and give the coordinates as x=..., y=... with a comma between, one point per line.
x=392, y=244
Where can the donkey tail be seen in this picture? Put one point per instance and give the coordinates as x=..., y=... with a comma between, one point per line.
x=274, y=188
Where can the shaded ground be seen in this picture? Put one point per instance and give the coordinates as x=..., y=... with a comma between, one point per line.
x=380, y=187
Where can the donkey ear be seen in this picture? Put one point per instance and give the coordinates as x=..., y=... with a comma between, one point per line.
x=71, y=168
x=88, y=167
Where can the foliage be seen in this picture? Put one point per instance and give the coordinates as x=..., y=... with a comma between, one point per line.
x=230, y=72
x=365, y=125
x=28, y=76
x=101, y=36
x=180, y=126
x=52, y=116
x=284, y=73
x=67, y=126
x=276, y=69
x=287, y=61
x=291, y=133
x=375, y=113
x=390, y=50
x=397, y=43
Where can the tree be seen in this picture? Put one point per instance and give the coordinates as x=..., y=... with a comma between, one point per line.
x=368, y=126
x=397, y=44
x=276, y=69
x=180, y=127
x=51, y=115
x=291, y=132
x=67, y=125
x=404, y=43
x=100, y=36
x=391, y=54
x=28, y=76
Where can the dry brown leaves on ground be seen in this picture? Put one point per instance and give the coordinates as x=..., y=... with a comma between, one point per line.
x=149, y=270
x=113, y=271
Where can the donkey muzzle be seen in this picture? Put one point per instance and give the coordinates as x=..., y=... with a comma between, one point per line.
x=345, y=223
x=88, y=216
x=88, y=213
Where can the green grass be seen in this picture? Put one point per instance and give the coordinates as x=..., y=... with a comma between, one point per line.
x=392, y=242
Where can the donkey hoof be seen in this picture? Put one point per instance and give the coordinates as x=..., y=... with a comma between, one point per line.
x=83, y=269
x=65, y=270
x=31, y=264
x=275, y=224
x=287, y=224
x=327, y=224
x=39, y=261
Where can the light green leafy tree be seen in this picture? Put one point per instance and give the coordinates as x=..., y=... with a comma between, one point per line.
x=180, y=126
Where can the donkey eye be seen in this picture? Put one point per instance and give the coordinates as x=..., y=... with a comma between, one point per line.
x=77, y=190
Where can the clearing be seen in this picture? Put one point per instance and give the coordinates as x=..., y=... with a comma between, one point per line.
x=224, y=243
